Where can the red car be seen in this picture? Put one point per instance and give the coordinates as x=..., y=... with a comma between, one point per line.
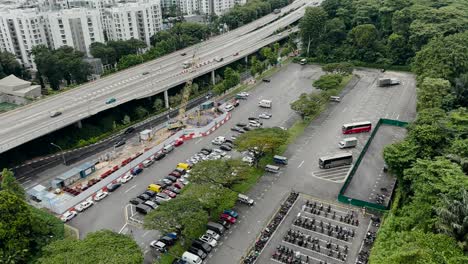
x=228, y=218
x=178, y=185
x=175, y=174
x=178, y=142
x=170, y=194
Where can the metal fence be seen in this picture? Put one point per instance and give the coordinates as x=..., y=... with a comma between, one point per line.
x=348, y=200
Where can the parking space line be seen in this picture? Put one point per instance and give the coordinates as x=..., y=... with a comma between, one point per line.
x=320, y=253
x=123, y=227
x=131, y=188
x=300, y=165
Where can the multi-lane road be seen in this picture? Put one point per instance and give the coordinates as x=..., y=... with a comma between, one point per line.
x=32, y=121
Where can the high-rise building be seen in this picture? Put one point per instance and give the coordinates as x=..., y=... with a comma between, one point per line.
x=77, y=28
x=134, y=20
x=20, y=31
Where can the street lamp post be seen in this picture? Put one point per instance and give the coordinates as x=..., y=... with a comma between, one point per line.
x=61, y=152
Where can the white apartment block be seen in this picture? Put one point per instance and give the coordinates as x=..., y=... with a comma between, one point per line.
x=134, y=20
x=20, y=31
x=77, y=28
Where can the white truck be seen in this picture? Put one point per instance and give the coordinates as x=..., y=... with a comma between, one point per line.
x=382, y=82
x=265, y=103
x=350, y=142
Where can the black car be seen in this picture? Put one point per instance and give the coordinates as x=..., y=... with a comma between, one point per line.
x=113, y=186
x=207, y=150
x=237, y=129
x=173, y=189
x=266, y=80
x=241, y=124
x=202, y=245
x=181, y=171
x=171, y=178
x=136, y=201
x=254, y=119
x=144, y=196
x=226, y=224
x=159, y=156
x=197, y=252
x=225, y=147
x=247, y=128
x=129, y=130
x=150, y=193
x=228, y=141
x=167, y=240
x=162, y=184
x=119, y=143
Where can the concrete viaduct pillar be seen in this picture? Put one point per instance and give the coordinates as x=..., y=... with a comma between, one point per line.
x=78, y=124
x=166, y=99
x=213, y=77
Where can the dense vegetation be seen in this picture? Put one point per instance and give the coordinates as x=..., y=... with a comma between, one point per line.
x=428, y=220
x=9, y=65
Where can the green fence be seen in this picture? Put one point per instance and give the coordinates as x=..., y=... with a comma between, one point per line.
x=348, y=200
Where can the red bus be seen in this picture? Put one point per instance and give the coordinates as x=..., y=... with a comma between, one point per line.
x=357, y=127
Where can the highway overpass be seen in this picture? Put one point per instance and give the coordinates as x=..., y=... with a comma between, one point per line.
x=32, y=121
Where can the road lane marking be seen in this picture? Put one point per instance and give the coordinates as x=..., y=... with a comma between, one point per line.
x=300, y=165
x=198, y=141
x=123, y=227
x=145, y=233
x=130, y=188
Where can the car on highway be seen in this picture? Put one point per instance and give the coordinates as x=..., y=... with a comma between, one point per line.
x=158, y=245
x=225, y=147
x=183, y=54
x=265, y=115
x=84, y=205
x=119, y=143
x=170, y=193
x=237, y=129
x=55, y=113
x=235, y=54
x=110, y=100
x=129, y=130
x=68, y=216
x=209, y=240
x=229, y=107
x=113, y=186
x=228, y=218
x=100, y=195
x=218, y=140
x=145, y=73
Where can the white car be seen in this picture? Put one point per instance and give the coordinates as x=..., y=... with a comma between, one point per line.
x=211, y=241
x=213, y=234
x=227, y=157
x=100, y=195
x=243, y=94
x=184, y=181
x=255, y=124
x=248, y=159
x=219, y=152
x=218, y=140
x=265, y=115
x=84, y=205
x=126, y=178
x=229, y=107
x=68, y=216
x=158, y=245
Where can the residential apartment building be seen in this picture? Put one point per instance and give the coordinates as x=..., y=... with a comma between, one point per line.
x=134, y=20
x=20, y=31
x=77, y=28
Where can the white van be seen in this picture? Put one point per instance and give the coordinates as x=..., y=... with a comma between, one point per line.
x=350, y=142
x=265, y=103
x=148, y=162
x=191, y=258
x=168, y=148
x=272, y=168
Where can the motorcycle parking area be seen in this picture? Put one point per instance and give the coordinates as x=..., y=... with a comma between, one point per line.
x=316, y=231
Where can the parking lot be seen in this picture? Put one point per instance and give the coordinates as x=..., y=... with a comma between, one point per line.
x=316, y=231
x=370, y=182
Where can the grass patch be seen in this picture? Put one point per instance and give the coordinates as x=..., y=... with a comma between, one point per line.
x=344, y=82
x=4, y=107
x=251, y=181
x=70, y=232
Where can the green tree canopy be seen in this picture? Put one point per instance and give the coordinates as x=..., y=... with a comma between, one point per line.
x=10, y=184
x=213, y=198
x=99, y=247
x=328, y=81
x=434, y=93
x=265, y=140
x=453, y=218
x=312, y=26
x=231, y=78
x=307, y=105
x=224, y=173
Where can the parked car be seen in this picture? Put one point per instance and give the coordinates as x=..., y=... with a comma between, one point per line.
x=84, y=205
x=163, y=196
x=68, y=216
x=159, y=156
x=247, y=128
x=167, y=181
x=126, y=178
x=209, y=240
x=212, y=234
x=158, y=245
x=173, y=189
x=150, y=193
x=129, y=130
x=230, y=141
x=218, y=140
x=184, y=181
x=170, y=193
x=267, y=80
x=219, y=152
x=178, y=185
x=228, y=218
x=228, y=107
x=144, y=197
x=202, y=245
x=168, y=240
x=206, y=150
x=175, y=174
x=265, y=115
x=225, y=147
x=113, y=186
x=231, y=213
x=171, y=178
x=197, y=252
x=151, y=204
x=136, y=201
x=163, y=183
x=241, y=124
x=100, y=195
x=254, y=119
x=237, y=129
x=148, y=162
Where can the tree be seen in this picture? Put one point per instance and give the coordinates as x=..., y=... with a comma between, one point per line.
x=363, y=36
x=399, y=156
x=460, y=90
x=306, y=106
x=128, y=61
x=433, y=93
x=328, y=81
x=453, y=218
x=48, y=66
x=214, y=199
x=99, y=247
x=231, y=78
x=262, y=140
x=219, y=172
x=182, y=215
x=312, y=26
x=141, y=112
x=102, y=51
x=343, y=68
x=158, y=104
x=10, y=184
x=126, y=120
x=9, y=65
x=219, y=88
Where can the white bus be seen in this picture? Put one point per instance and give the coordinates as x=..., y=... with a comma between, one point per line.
x=336, y=160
